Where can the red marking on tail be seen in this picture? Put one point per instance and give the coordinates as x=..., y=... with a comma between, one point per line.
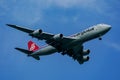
x=32, y=46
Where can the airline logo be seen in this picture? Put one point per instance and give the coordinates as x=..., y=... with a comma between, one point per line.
x=32, y=46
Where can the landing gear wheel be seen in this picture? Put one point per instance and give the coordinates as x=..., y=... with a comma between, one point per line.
x=100, y=38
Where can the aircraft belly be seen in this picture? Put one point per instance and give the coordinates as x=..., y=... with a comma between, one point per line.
x=72, y=44
x=46, y=51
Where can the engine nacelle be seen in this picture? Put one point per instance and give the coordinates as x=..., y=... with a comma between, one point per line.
x=37, y=32
x=85, y=58
x=58, y=37
x=86, y=52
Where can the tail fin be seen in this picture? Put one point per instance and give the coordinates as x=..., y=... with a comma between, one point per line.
x=32, y=46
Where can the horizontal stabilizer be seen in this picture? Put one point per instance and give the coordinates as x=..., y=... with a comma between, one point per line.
x=20, y=28
x=28, y=53
x=24, y=50
x=36, y=57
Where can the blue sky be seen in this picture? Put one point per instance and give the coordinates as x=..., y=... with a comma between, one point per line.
x=59, y=16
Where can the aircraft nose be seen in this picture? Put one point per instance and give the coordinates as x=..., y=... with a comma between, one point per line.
x=108, y=27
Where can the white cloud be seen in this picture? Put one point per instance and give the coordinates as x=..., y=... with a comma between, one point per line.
x=95, y=5
x=113, y=45
x=31, y=11
x=98, y=6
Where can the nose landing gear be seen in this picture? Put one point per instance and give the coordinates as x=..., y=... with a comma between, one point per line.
x=100, y=38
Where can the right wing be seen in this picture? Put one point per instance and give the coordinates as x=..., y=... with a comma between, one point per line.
x=28, y=53
x=77, y=53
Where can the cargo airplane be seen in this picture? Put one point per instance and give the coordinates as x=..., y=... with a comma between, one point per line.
x=70, y=45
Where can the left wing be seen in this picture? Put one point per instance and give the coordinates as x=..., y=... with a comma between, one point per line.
x=20, y=28
x=34, y=33
x=39, y=34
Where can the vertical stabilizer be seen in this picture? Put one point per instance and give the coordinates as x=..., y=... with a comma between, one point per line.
x=32, y=46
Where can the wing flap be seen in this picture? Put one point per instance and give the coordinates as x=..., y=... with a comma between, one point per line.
x=45, y=36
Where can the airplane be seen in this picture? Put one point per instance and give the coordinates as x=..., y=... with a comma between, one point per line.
x=70, y=45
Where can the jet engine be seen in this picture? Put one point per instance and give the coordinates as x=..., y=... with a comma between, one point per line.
x=85, y=58
x=58, y=37
x=36, y=32
x=86, y=52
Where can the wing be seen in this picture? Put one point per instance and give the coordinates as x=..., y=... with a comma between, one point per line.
x=48, y=37
x=33, y=33
x=77, y=53
x=20, y=28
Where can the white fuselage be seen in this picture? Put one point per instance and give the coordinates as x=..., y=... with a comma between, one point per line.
x=84, y=36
